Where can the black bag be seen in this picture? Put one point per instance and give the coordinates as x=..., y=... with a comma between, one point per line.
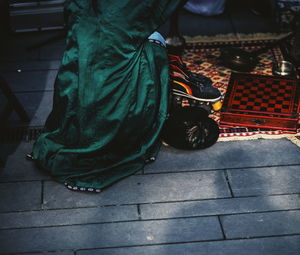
x=190, y=128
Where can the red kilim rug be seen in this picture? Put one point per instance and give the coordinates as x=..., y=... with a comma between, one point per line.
x=203, y=57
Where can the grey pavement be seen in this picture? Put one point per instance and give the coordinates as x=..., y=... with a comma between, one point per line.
x=240, y=197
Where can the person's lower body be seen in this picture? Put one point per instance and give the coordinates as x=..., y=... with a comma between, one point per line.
x=110, y=95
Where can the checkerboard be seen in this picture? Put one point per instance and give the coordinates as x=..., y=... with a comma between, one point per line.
x=261, y=101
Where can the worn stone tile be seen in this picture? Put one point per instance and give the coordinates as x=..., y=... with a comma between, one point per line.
x=289, y=245
x=34, y=65
x=13, y=50
x=142, y=189
x=37, y=105
x=110, y=235
x=31, y=81
x=69, y=252
x=219, y=206
x=13, y=54
x=20, y=196
x=52, y=52
x=261, y=224
x=271, y=180
x=223, y=155
x=45, y=218
x=17, y=167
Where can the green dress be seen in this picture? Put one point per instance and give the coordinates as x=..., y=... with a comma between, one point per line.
x=110, y=96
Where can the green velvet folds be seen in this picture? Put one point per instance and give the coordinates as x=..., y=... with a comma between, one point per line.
x=111, y=93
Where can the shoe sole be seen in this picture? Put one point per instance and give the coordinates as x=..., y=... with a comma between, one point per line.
x=210, y=100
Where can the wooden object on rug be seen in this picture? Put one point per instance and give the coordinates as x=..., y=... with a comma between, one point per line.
x=261, y=101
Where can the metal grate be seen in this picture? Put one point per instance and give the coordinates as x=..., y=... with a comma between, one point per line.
x=17, y=134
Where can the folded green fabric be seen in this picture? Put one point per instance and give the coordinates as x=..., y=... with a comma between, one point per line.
x=111, y=93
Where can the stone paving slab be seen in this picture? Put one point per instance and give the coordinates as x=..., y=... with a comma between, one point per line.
x=31, y=80
x=16, y=51
x=219, y=207
x=20, y=196
x=260, y=181
x=222, y=155
x=264, y=246
x=139, y=189
x=110, y=235
x=37, y=105
x=14, y=54
x=261, y=224
x=81, y=216
x=17, y=167
x=33, y=65
x=26, y=197
x=70, y=252
x=52, y=52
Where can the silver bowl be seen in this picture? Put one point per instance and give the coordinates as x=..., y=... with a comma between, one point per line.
x=283, y=68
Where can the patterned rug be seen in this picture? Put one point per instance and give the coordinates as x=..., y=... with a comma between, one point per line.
x=201, y=56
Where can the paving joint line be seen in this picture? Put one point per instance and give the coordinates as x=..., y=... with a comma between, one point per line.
x=75, y=251
x=21, y=181
x=158, y=173
x=228, y=183
x=220, y=169
x=32, y=91
x=152, y=203
x=40, y=252
x=139, y=212
x=221, y=227
x=187, y=242
x=12, y=71
x=42, y=192
x=146, y=220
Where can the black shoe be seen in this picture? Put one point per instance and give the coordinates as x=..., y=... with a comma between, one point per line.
x=191, y=90
x=177, y=67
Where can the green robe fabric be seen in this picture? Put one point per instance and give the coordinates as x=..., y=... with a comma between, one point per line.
x=111, y=93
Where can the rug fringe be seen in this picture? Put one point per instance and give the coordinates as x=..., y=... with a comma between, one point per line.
x=234, y=37
x=293, y=138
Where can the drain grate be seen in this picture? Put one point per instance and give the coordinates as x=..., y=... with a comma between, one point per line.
x=17, y=134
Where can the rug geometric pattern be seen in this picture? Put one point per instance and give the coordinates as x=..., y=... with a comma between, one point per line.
x=203, y=58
